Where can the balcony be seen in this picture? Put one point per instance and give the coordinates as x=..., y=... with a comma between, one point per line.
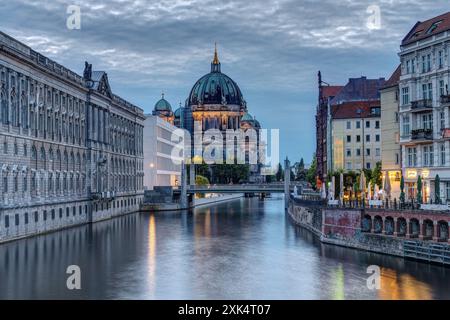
x=445, y=99
x=422, y=134
x=421, y=105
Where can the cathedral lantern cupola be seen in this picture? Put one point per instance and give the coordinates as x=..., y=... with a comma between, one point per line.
x=215, y=64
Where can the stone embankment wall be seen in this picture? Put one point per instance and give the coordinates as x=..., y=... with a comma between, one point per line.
x=343, y=227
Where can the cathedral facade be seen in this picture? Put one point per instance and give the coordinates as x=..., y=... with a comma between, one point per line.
x=71, y=151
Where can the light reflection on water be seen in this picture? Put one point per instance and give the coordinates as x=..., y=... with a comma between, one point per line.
x=245, y=249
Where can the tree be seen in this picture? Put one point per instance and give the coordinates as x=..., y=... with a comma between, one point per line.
x=300, y=172
x=419, y=190
x=437, y=190
x=201, y=180
x=311, y=173
x=280, y=174
x=402, y=190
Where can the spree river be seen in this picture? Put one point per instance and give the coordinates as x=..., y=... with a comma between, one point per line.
x=243, y=249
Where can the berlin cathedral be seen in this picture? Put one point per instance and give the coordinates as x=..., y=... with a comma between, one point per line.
x=216, y=102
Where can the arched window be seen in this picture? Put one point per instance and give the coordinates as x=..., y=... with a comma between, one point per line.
x=72, y=161
x=51, y=159
x=24, y=112
x=33, y=153
x=66, y=160
x=58, y=159
x=78, y=161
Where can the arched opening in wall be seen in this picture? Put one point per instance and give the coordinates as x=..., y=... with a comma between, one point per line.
x=377, y=224
x=414, y=228
x=389, y=226
x=442, y=231
x=366, y=224
x=401, y=227
x=428, y=229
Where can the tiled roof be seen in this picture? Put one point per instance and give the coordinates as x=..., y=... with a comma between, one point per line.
x=353, y=109
x=359, y=89
x=395, y=78
x=331, y=91
x=423, y=30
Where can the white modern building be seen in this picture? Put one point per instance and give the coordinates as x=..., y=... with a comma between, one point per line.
x=424, y=107
x=162, y=166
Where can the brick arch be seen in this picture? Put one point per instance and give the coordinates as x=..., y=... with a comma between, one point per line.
x=428, y=229
x=442, y=231
x=366, y=223
x=377, y=224
x=389, y=225
x=414, y=227
x=401, y=227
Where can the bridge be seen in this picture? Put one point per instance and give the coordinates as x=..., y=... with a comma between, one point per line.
x=238, y=188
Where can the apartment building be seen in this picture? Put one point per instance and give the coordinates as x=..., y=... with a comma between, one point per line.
x=424, y=107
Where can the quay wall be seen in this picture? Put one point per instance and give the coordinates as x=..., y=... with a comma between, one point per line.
x=343, y=227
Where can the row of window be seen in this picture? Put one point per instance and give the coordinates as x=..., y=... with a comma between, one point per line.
x=46, y=215
x=428, y=153
x=368, y=138
x=426, y=92
x=358, y=124
x=368, y=152
x=425, y=63
x=53, y=214
x=349, y=166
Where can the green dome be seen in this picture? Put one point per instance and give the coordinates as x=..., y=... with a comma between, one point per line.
x=177, y=112
x=216, y=88
x=163, y=105
x=247, y=117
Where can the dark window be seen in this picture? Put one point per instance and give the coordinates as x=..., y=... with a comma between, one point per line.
x=349, y=138
x=377, y=124
x=60, y=213
x=53, y=214
x=36, y=216
x=67, y=212
x=17, y=219
x=74, y=211
x=358, y=138
x=377, y=138
x=26, y=217
x=367, y=137
x=45, y=215
x=80, y=210
x=6, y=221
x=367, y=124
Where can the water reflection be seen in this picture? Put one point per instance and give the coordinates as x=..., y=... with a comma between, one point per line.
x=245, y=249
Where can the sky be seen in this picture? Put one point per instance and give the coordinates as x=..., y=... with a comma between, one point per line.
x=272, y=49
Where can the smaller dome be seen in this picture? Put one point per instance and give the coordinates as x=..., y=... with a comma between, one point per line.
x=163, y=105
x=247, y=117
x=177, y=112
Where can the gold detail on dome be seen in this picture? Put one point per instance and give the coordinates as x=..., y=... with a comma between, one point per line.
x=216, y=56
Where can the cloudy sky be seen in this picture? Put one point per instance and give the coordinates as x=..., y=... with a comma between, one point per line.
x=272, y=49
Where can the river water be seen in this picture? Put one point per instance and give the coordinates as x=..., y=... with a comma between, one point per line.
x=243, y=249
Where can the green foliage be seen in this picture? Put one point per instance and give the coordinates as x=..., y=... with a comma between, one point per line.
x=419, y=190
x=201, y=180
x=300, y=172
x=312, y=172
x=376, y=176
x=280, y=174
x=402, y=190
x=437, y=190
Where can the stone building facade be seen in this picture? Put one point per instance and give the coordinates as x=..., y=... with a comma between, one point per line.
x=424, y=107
x=71, y=151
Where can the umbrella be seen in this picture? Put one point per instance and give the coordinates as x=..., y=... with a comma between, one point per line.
x=369, y=191
x=333, y=188
x=362, y=182
x=341, y=186
x=324, y=191
x=437, y=190
x=375, y=192
x=387, y=185
x=419, y=190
